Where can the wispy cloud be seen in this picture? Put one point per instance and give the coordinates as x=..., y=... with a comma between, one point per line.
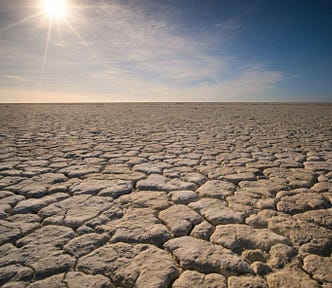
x=127, y=38
x=127, y=53
x=152, y=58
x=249, y=84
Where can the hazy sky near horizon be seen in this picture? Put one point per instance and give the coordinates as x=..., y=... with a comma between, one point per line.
x=167, y=50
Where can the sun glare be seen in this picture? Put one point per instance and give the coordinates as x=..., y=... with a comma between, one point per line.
x=55, y=9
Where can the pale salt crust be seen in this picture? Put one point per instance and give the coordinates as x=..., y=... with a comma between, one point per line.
x=166, y=195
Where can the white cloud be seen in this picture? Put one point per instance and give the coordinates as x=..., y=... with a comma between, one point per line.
x=135, y=56
x=154, y=55
x=248, y=86
x=13, y=95
x=127, y=37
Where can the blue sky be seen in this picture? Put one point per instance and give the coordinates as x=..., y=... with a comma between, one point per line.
x=170, y=50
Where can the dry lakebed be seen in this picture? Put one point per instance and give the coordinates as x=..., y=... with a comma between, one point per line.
x=166, y=195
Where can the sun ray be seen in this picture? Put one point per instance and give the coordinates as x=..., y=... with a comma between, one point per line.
x=47, y=45
x=21, y=21
x=78, y=35
x=56, y=12
x=60, y=34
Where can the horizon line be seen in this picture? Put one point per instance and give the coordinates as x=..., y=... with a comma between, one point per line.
x=175, y=102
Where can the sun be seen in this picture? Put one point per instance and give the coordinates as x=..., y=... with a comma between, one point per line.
x=55, y=9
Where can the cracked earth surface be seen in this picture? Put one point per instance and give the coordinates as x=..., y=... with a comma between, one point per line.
x=166, y=195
